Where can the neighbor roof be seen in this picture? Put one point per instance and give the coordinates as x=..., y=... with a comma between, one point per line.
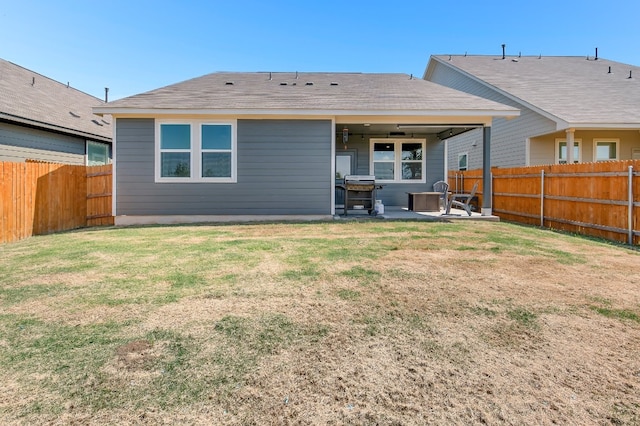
x=306, y=93
x=30, y=98
x=576, y=90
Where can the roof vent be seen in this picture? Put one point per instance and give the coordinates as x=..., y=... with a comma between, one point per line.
x=503, y=50
x=284, y=83
x=73, y=114
x=333, y=83
x=97, y=122
x=228, y=83
x=609, y=70
x=309, y=83
x=629, y=74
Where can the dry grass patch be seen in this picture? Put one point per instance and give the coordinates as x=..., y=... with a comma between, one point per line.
x=327, y=323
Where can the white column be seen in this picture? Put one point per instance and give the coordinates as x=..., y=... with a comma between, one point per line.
x=570, y=143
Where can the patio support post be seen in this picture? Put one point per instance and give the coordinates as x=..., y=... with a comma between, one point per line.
x=570, y=144
x=486, y=172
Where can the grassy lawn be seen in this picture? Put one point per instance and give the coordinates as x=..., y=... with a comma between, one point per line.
x=322, y=323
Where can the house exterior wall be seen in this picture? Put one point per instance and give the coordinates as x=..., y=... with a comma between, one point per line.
x=508, y=137
x=395, y=194
x=18, y=143
x=543, y=147
x=283, y=168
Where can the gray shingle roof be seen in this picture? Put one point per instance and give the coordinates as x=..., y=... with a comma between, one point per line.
x=31, y=98
x=574, y=89
x=309, y=91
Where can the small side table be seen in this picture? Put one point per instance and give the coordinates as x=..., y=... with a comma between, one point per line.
x=424, y=201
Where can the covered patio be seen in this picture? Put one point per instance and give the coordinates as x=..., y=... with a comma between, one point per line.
x=406, y=155
x=403, y=213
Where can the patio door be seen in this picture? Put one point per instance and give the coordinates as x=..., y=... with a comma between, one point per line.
x=345, y=165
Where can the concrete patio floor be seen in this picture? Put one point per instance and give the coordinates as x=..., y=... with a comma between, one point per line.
x=399, y=212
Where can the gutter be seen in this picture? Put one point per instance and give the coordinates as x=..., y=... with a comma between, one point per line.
x=47, y=126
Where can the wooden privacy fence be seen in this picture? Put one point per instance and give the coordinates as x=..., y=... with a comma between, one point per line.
x=598, y=199
x=40, y=198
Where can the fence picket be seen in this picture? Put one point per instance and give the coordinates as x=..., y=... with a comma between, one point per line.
x=40, y=198
x=587, y=198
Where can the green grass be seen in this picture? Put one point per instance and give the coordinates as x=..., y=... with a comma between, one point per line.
x=212, y=306
x=622, y=314
x=523, y=316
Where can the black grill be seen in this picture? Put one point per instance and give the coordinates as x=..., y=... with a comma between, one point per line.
x=359, y=193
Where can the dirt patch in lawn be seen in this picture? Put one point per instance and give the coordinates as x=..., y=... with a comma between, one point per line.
x=477, y=324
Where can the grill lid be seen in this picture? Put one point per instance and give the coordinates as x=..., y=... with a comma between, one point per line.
x=360, y=178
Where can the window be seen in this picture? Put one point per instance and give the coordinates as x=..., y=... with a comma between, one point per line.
x=561, y=151
x=605, y=149
x=216, y=150
x=195, y=152
x=463, y=159
x=398, y=160
x=97, y=153
x=175, y=150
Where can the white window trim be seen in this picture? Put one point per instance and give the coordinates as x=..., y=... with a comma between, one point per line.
x=398, y=159
x=606, y=140
x=556, y=153
x=86, y=151
x=196, y=152
x=465, y=154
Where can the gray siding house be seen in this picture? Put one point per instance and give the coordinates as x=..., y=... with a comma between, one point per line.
x=238, y=146
x=588, y=102
x=42, y=119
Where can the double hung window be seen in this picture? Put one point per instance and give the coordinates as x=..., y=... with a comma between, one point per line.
x=195, y=152
x=561, y=151
x=398, y=160
x=97, y=153
x=463, y=161
x=605, y=149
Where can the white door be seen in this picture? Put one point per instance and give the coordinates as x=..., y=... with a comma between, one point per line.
x=345, y=165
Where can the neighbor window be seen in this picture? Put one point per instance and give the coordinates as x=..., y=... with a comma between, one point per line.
x=605, y=149
x=195, y=152
x=463, y=159
x=97, y=153
x=561, y=151
x=398, y=160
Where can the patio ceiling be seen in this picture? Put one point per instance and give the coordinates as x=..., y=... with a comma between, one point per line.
x=442, y=131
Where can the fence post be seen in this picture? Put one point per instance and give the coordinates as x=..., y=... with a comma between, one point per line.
x=542, y=198
x=630, y=214
x=493, y=198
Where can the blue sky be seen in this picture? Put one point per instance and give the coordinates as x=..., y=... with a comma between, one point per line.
x=138, y=45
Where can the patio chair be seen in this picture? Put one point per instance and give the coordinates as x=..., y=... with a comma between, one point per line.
x=462, y=200
x=443, y=188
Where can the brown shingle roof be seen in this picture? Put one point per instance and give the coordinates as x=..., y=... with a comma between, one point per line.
x=328, y=92
x=31, y=98
x=574, y=89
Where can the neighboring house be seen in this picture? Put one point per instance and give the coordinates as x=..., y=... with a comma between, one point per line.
x=42, y=119
x=591, y=103
x=249, y=145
